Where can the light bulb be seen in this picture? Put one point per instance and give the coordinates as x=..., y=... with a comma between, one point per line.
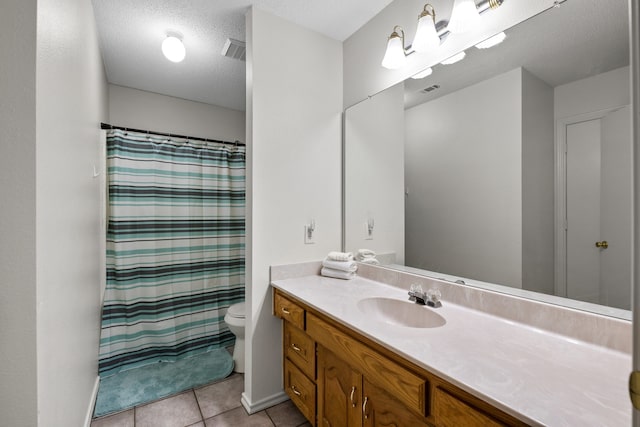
x=455, y=58
x=422, y=74
x=173, y=49
x=395, y=56
x=426, y=37
x=492, y=41
x=464, y=16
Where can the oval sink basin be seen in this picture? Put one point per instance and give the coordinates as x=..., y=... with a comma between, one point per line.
x=401, y=313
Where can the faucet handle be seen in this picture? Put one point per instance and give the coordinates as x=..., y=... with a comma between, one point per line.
x=412, y=292
x=417, y=294
x=433, y=297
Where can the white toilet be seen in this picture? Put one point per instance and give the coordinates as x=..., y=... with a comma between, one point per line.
x=235, y=321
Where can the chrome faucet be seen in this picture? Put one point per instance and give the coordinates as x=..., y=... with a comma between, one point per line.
x=430, y=298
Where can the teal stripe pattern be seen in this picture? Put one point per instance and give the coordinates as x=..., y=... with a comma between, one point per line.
x=175, y=248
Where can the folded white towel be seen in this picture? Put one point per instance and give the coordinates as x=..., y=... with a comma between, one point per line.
x=371, y=261
x=340, y=256
x=365, y=253
x=348, y=266
x=337, y=274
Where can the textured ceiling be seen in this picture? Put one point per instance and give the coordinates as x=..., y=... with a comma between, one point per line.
x=131, y=32
x=576, y=40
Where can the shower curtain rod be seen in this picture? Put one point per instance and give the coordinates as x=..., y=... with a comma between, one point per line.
x=194, y=138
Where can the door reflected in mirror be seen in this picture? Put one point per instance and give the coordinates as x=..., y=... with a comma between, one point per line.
x=512, y=169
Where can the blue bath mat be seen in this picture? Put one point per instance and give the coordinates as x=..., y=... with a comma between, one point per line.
x=134, y=387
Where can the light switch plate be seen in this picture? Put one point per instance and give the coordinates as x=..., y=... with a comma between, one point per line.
x=367, y=235
x=309, y=238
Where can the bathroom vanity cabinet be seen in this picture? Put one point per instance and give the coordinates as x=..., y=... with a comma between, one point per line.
x=347, y=398
x=338, y=377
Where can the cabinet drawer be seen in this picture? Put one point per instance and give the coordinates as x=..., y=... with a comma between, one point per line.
x=400, y=383
x=301, y=391
x=300, y=349
x=383, y=410
x=449, y=411
x=288, y=310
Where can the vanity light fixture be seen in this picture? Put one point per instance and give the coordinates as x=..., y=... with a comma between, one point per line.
x=455, y=58
x=395, y=55
x=173, y=48
x=430, y=34
x=492, y=41
x=426, y=37
x=422, y=74
x=464, y=16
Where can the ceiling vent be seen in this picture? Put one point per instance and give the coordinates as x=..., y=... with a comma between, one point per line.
x=234, y=49
x=430, y=88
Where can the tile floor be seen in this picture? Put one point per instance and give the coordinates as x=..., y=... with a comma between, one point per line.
x=213, y=405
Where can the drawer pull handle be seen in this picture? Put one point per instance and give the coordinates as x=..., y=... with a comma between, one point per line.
x=296, y=348
x=364, y=408
x=285, y=311
x=296, y=392
x=353, y=392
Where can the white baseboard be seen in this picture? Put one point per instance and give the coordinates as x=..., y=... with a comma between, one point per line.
x=267, y=402
x=92, y=403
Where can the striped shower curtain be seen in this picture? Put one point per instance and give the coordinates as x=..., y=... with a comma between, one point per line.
x=175, y=248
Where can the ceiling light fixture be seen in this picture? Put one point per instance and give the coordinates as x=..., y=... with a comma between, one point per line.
x=173, y=48
x=395, y=55
x=492, y=41
x=426, y=37
x=455, y=58
x=423, y=74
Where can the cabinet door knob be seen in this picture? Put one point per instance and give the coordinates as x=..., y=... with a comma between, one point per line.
x=285, y=311
x=364, y=408
x=353, y=392
x=296, y=392
x=296, y=348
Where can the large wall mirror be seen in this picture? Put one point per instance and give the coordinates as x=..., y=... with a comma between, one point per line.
x=511, y=169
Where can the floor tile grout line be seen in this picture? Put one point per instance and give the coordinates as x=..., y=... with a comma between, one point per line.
x=223, y=412
x=273, y=423
x=195, y=396
x=227, y=410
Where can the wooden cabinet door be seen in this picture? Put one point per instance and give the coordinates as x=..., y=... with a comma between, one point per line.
x=405, y=385
x=381, y=410
x=339, y=392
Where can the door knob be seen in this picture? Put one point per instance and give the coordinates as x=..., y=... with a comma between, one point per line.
x=603, y=245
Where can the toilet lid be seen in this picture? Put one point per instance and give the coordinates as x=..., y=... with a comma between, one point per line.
x=236, y=310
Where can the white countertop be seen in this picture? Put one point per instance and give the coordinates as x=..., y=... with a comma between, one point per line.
x=539, y=377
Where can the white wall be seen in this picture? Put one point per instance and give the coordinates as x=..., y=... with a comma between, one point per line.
x=537, y=185
x=18, y=375
x=363, y=51
x=50, y=228
x=599, y=92
x=616, y=208
x=294, y=132
x=151, y=111
x=463, y=174
x=374, y=180
x=71, y=100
